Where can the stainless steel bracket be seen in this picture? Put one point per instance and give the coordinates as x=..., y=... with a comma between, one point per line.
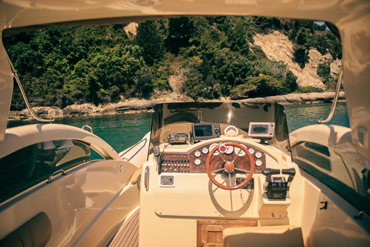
x=54, y=173
x=89, y=127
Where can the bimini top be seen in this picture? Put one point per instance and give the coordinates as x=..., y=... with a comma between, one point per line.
x=352, y=19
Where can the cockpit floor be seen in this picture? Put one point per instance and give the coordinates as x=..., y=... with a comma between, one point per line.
x=128, y=233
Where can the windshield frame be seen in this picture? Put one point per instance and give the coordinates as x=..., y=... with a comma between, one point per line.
x=238, y=114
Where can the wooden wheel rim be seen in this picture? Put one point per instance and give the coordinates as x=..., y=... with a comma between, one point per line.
x=241, y=185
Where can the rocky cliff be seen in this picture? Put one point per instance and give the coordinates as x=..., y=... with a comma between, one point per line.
x=278, y=47
x=275, y=45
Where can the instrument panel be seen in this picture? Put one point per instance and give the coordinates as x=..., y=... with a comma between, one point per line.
x=195, y=161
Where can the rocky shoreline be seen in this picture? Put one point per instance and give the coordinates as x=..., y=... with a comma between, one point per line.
x=136, y=106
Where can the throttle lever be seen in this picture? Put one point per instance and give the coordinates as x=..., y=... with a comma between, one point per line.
x=268, y=172
x=291, y=173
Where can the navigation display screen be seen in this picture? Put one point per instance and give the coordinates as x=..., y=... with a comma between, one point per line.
x=203, y=130
x=261, y=129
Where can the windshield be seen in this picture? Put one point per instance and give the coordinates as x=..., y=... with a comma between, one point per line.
x=178, y=117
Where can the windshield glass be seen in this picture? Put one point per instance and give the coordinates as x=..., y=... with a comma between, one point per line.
x=178, y=117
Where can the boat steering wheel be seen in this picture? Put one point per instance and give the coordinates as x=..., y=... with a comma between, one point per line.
x=229, y=166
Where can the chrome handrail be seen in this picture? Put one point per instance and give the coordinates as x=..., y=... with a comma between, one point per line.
x=89, y=127
x=142, y=140
x=54, y=173
x=334, y=105
x=146, y=178
x=33, y=114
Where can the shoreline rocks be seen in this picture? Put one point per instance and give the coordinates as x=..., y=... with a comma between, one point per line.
x=136, y=106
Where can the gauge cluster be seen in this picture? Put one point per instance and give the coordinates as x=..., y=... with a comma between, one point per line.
x=195, y=161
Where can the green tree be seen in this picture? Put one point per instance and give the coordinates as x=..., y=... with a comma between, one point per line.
x=260, y=86
x=180, y=31
x=237, y=39
x=149, y=38
x=302, y=36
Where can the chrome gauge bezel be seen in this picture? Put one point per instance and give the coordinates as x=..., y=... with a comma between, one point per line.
x=231, y=131
x=205, y=150
x=251, y=150
x=258, y=162
x=229, y=150
x=258, y=155
x=212, y=146
x=197, y=162
x=240, y=152
x=197, y=153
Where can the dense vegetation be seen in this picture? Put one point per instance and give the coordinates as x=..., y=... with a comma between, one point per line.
x=101, y=64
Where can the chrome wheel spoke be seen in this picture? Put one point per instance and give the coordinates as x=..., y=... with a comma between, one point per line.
x=241, y=170
x=218, y=170
x=236, y=156
x=222, y=157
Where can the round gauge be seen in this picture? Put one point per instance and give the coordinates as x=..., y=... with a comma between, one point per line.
x=214, y=145
x=197, y=153
x=258, y=154
x=251, y=150
x=229, y=149
x=231, y=131
x=258, y=162
x=240, y=152
x=197, y=162
x=205, y=150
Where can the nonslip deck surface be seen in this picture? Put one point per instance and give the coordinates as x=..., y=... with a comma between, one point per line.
x=128, y=234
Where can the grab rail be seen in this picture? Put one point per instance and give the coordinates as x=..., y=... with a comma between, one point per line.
x=89, y=127
x=142, y=140
x=334, y=105
x=54, y=173
x=146, y=178
x=33, y=114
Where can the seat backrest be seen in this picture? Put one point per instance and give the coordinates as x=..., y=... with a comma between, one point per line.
x=36, y=233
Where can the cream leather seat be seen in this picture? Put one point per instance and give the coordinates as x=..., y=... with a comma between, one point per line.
x=263, y=236
x=34, y=233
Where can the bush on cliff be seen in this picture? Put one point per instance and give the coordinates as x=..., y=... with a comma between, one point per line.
x=309, y=89
x=262, y=86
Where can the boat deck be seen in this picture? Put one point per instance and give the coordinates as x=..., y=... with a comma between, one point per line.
x=128, y=233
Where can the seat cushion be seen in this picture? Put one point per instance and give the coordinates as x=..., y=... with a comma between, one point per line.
x=34, y=233
x=263, y=236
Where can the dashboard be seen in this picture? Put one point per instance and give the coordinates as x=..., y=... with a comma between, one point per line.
x=195, y=160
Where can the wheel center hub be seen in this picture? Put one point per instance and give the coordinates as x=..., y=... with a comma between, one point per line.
x=229, y=166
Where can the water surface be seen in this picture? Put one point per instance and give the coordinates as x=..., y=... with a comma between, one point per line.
x=123, y=130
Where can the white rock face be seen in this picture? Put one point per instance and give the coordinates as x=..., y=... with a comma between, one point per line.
x=131, y=30
x=278, y=47
x=335, y=67
x=177, y=81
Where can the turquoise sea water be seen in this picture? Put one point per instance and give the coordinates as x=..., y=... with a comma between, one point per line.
x=124, y=130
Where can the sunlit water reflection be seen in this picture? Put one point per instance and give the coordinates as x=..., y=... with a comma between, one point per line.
x=123, y=130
